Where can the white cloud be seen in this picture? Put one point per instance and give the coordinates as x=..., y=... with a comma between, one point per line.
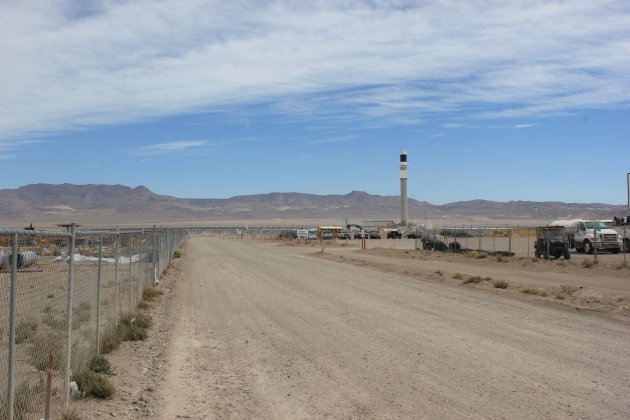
x=67, y=65
x=162, y=148
x=525, y=125
x=435, y=136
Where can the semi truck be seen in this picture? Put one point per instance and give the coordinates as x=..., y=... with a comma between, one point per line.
x=585, y=235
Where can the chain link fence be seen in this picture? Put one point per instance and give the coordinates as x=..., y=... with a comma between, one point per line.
x=512, y=240
x=60, y=293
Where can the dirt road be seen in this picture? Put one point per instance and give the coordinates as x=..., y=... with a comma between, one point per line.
x=264, y=331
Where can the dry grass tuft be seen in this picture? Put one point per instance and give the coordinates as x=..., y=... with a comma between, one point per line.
x=476, y=279
x=501, y=284
x=150, y=293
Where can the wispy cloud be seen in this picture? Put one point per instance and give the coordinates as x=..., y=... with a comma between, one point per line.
x=69, y=66
x=435, y=136
x=525, y=125
x=162, y=148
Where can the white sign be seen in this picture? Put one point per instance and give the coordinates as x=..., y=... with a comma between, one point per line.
x=302, y=233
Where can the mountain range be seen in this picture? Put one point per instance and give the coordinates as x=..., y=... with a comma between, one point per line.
x=113, y=203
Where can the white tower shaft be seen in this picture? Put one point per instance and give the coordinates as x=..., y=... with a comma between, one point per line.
x=403, y=187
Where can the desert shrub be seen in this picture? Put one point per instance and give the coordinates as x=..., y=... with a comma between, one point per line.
x=501, y=284
x=24, y=331
x=94, y=384
x=589, y=263
x=568, y=288
x=47, y=309
x=144, y=305
x=100, y=364
x=139, y=318
x=132, y=332
x=177, y=254
x=133, y=326
x=476, y=279
x=621, y=266
x=110, y=340
x=502, y=259
x=150, y=293
x=70, y=414
x=560, y=296
x=458, y=276
x=439, y=273
x=530, y=291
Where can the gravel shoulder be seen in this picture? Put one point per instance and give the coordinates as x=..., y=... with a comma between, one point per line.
x=260, y=330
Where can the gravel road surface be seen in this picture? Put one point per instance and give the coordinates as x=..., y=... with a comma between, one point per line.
x=265, y=331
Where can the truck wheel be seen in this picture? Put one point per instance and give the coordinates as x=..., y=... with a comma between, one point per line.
x=627, y=244
x=616, y=251
x=567, y=254
x=588, y=248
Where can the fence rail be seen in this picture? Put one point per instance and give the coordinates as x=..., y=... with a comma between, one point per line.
x=60, y=292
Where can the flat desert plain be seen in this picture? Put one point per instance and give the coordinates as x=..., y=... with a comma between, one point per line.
x=272, y=329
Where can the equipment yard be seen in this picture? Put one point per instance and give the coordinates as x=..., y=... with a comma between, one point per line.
x=268, y=329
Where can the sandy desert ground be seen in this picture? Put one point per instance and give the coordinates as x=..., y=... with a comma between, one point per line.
x=268, y=329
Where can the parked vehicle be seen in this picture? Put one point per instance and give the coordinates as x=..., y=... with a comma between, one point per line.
x=584, y=235
x=375, y=235
x=344, y=235
x=326, y=235
x=414, y=235
x=359, y=235
x=552, y=241
x=312, y=234
x=394, y=234
x=622, y=227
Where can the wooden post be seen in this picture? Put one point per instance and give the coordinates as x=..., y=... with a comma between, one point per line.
x=49, y=377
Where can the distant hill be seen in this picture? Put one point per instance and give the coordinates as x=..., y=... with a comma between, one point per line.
x=119, y=202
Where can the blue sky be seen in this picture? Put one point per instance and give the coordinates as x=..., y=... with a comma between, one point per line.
x=496, y=100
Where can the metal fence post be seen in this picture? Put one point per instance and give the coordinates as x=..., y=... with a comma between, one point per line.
x=12, y=327
x=154, y=255
x=595, y=246
x=624, y=246
x=117, y=257
x=98, y=295
x=142, y=267
x=69, y=314
x=479, y=236
x=130, y=269
x=145, y=240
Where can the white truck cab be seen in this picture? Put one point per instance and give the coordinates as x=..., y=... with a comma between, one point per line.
x=585, y=235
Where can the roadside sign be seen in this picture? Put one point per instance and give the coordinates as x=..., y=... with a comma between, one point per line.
x=302, y=233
